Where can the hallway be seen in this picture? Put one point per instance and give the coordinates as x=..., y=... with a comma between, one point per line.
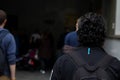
x=27, y=75
x=112, y=46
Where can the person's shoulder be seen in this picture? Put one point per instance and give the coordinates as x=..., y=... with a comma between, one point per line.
x=70, y=34
x=62, y=59
x=5, y=31
x=66, y=56
x=73, y=32
x=115, y=64
x=8, y=35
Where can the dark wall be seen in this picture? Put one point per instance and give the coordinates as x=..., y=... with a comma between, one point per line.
x=48, y=14
x=35, y=13
x=109, y=11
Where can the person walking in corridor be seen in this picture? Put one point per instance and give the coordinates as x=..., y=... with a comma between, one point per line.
x=90, y=61
x=71, y=39
x=8, y=46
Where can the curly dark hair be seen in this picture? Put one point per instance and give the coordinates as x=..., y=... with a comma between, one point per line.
x=91, y=30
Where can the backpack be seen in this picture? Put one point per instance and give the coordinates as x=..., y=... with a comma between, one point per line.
x=87, y=72
x=3, y=33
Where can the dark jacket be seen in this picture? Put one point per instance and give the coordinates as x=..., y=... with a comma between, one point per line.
x=64, y=68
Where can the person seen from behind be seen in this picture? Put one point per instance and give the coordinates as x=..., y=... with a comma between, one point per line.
x=71, y=39
x=91, y=35
x=8, y=46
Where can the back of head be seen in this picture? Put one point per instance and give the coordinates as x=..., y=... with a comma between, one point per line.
x=3, y=16
x=91, y=30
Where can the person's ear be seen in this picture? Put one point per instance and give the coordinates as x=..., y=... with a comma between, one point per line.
x=5, y=21
x=3, y=24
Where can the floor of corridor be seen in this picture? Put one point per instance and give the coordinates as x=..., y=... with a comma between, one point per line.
x=27, y=75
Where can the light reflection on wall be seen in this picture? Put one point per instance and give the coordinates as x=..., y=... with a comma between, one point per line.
x=117, y=29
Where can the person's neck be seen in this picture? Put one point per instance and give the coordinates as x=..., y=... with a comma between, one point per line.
x=1, y=26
